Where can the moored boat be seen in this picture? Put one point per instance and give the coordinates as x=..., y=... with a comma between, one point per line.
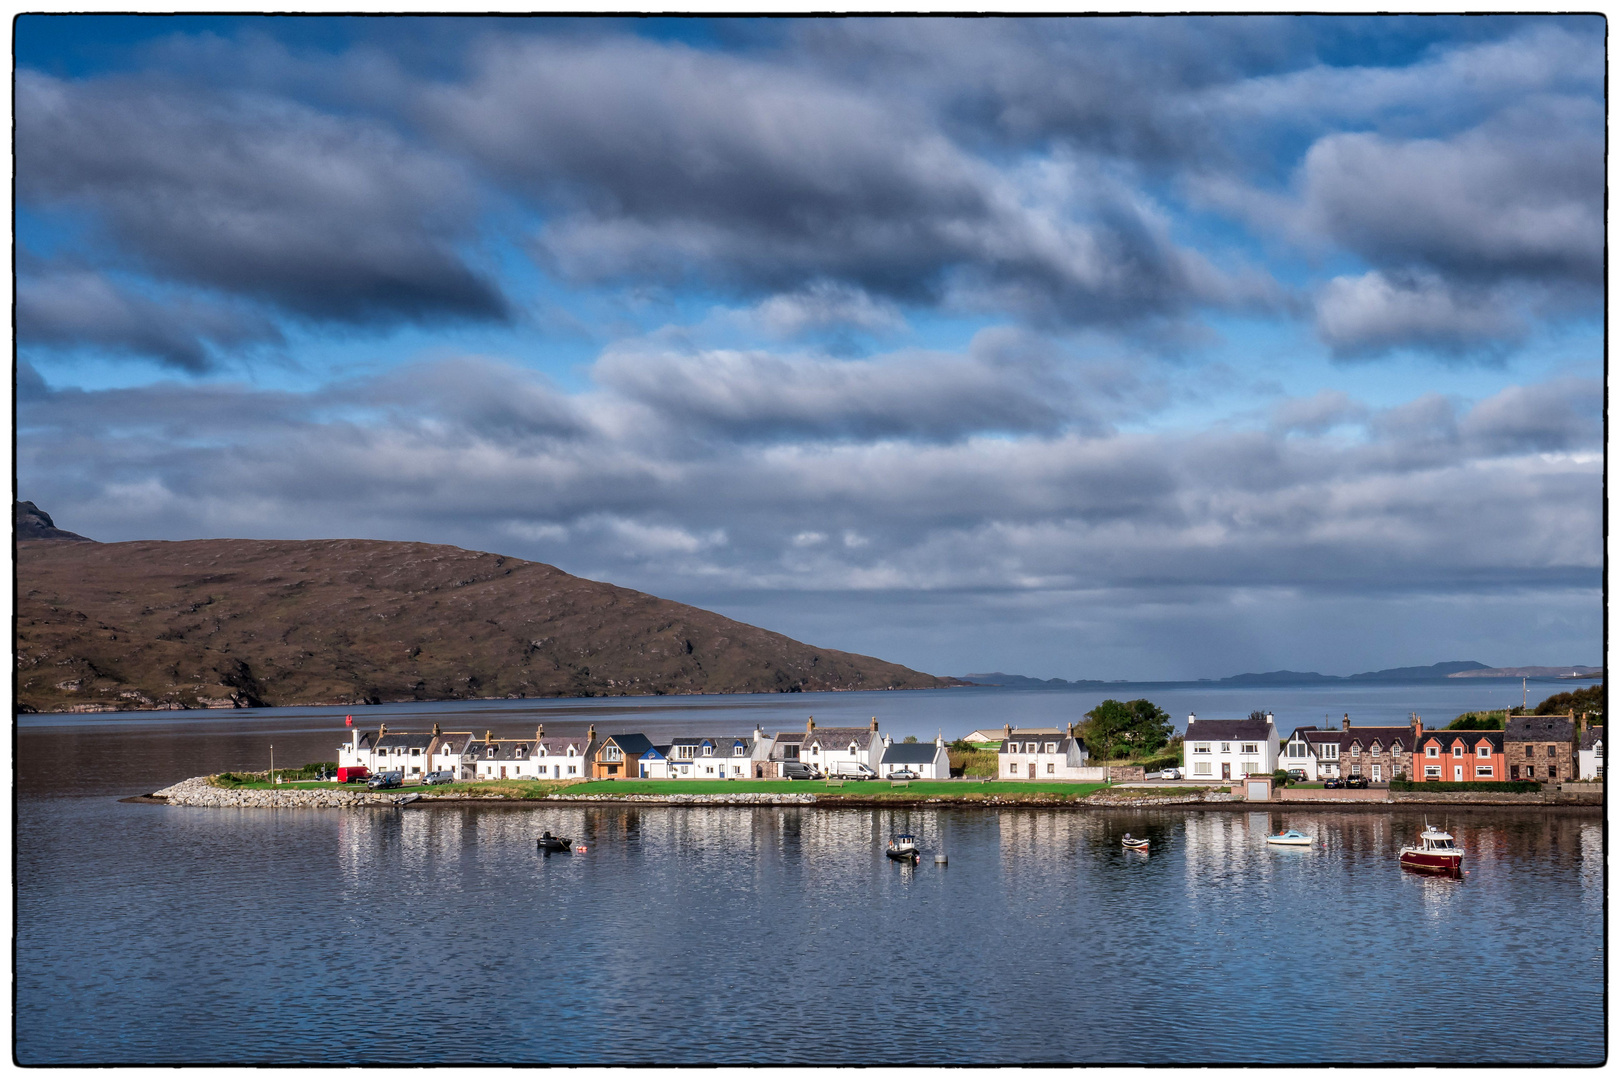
x=1436, y=852
x=1291, y=838
x=547, y=842
x=903, y=848
x=1134, y=843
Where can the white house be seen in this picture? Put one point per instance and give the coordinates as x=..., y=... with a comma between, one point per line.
x=562, y=757
x=1591, y=766
x=930, y=761
x=1229, y=749
x=1044, y=754
x=827, y=748
x=700, y=757
x=410, y=753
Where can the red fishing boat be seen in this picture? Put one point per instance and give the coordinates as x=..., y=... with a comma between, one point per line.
x=1434, y=853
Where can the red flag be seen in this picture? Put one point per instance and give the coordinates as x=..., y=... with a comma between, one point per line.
x=348, y=721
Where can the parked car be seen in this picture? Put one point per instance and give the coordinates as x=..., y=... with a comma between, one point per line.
x=851, y=770
x=1297, y=775
x=1164, y=774
x=1333, y=781
x=385, y=780
x=439, y=776
x=902, y=774
x=798, y=770
x=1355, y=781
x=349, y=773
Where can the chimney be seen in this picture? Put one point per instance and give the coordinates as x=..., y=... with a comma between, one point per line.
x=1191, y=717
x=539, y=732
x=590, y=736
x=487, y=738
x=436, y=729
x=759, y=733
x=1270, y=719
x=810, y=725
x=1346, y=724
x=874, y=723
x=939, y=740
x=888, y=741
x=1006, y=731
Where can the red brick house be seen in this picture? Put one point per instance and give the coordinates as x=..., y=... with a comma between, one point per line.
x=1459, y=756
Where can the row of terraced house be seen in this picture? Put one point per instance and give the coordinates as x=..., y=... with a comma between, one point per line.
x=633, y=755
x=1542, y=748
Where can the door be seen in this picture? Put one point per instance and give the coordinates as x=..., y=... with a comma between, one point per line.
x=1378, y=773
x=1032, y=770
x=1226, y=770
x=503, y=772
x=1456, y=773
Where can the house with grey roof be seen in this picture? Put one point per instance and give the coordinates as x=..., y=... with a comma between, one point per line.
x=1541, y=747
x=1591, y=767
x=705, y=757
x=409, y=753
x=1379, y=752
x=828, y=748
x=1044, y=754
x=1229, y=749
x=929, y=761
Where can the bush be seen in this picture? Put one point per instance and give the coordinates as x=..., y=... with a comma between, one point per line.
x=1515, y=786
x=1479, y=721
x=1280, y=778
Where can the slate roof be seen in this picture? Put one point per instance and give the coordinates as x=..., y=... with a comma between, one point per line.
x=917, y=753
x=1470, y=739
x=556, y=746
x=1385, y=737
x=633, y=743
x=418, y=739
x=1540, y=729
x=505, y=749
x=841, y=737
x=1032, y=736
x=1201, y=730
x=1591, y=737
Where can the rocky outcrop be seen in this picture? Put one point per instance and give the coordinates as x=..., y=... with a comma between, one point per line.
x=32, y=523
x=197, y=791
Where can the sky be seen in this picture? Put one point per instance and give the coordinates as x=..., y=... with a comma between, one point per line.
x=1122, y=348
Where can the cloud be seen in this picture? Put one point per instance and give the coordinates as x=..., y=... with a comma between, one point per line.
x=1369, y=315
x=325, y=217
x=71, y=308
x=656, y=162
x=1325, y=410
x=825, y=305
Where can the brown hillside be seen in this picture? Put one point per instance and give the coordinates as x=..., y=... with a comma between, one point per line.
x=154, y=624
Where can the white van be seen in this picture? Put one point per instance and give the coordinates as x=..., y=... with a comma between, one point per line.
x=850, y=770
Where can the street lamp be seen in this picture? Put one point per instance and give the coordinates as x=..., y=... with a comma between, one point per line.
x=272, y=776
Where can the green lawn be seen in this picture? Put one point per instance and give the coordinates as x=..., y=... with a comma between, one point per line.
x=864, y=789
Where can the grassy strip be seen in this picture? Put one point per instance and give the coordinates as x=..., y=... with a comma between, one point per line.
x=868, y=790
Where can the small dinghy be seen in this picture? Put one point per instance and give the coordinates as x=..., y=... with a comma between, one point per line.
x=1291, y=838
x=1434, y=853
x=903, y=848
x=1134, y=843
x=547, y=842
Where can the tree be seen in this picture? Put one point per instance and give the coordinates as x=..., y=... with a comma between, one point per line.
x=1140, y=727
x=911, y=738
x=1259, y=715
x=1478, y=721
x=1588, y=699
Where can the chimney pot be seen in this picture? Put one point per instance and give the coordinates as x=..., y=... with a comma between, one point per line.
x=539, y=732
x=435, y=729
x=1345, y=726
x=810, y=725
x=874, y=723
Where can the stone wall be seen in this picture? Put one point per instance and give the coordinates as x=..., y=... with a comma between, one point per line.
x=199, y=792
x=1119, y=773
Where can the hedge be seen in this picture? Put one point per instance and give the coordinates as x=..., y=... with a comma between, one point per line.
x=1519, y=787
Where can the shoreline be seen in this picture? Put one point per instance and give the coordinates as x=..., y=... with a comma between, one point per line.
x=197, y=791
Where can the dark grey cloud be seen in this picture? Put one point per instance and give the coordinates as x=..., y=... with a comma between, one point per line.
x=72, y=308
x=326, y=217
x=659, y=162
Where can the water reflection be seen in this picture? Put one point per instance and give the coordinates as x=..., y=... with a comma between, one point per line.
x=753, y=925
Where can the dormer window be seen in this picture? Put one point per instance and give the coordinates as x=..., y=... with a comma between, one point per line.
x=1375, y=749
x=1457, y=751
x=570, y=751
x=1484, y=749
x=1051, y=748
x=852, y=748
x=612, y=753
x=1355, y=749
x=1012, y=748
x=519, y=751
x=491, y=752
x=739, y=750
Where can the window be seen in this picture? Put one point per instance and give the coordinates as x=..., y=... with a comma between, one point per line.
x=1375, y=749
x=852, y=748
x=1396, y=750
x=1552, y=751
x=708, y=751
x=1012, y=748
x=1296, y=749
x=1484, y=749
x=738, y=751
x=416, y=751
x=1484, y=770
x=790, y=752
x=1431, y=772
x=1226, y=748
x=1201, y=748
x=1012, y=766
x=1529, y=751
x=1201, y=768
x=1250, y=748
x=612, y=753
x=1050, y=768
x=1355, y=749
x=570, y=754
x=1051, y=748
x=520, y=751
x=1513, y=772
x=1431, y=750
x=686, y=770
x=1552, y=772
x=491, y=752
x=1330, y=751
x=1456, y=751
x=709, y=770
x=570, y=768
x=1355, y=770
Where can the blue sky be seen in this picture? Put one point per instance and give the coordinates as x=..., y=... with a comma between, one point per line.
x=1120, y=348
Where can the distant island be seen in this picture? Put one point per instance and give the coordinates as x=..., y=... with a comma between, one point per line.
x=1450, y=669
x=242, y=623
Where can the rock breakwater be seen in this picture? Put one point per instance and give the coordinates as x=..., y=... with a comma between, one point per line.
x=197, y=791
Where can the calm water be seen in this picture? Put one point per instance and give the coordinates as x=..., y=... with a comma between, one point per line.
x=780, y=935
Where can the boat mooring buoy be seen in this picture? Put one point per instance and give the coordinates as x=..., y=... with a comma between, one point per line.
x=579, y=849
x=940, y=859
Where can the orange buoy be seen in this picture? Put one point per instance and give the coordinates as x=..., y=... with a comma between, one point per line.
x=579, y=848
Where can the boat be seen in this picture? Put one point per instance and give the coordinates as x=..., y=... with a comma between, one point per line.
x=1291, y=838
x=1434, y=853
x=903, y=848
x=1135, y=843
x=547, y=842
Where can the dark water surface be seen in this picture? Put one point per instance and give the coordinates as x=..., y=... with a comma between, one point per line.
x=773, y=935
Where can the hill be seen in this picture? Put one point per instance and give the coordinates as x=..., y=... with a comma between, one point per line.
x=32, y=523
x=216, y=623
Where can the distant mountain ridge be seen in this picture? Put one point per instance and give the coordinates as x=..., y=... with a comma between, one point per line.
x=1449, y=669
